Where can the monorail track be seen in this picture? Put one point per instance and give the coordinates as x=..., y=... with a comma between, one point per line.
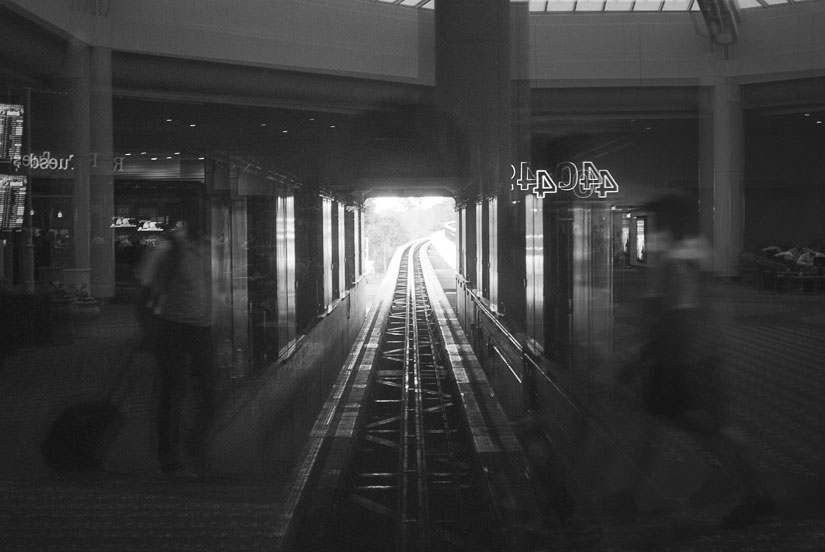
x=405, y=456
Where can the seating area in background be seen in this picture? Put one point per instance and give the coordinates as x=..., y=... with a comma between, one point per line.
x=800, y=268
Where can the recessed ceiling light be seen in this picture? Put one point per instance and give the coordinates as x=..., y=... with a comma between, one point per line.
x=127, y=154
x=177, y=153
x=168, y=157
x=200, y=158
x=154, y=159
x=312, y=118
x=193, y=125
x=168, y=120
x=331, y=126
x=263, y=124
x=819, y=122
x=143, y=153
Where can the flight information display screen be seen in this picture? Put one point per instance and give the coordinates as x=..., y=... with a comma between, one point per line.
x=11, y=132
x=12, y=201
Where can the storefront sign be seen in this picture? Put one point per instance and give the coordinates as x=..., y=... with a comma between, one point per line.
x=568, y=177
x=46, y=162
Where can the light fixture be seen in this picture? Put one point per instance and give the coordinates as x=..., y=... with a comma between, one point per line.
x=177, y=153
x=59, y=213
x=192, y=125
x=168, y=157
x=284, y=131
x=312, y=118
x=807, y=114
x=263, y=124
x=127, y=154
x=200, y=158
x=143, y=153
x=31, y=213
x=168, y=120
x=154, y=159
x=331, y=126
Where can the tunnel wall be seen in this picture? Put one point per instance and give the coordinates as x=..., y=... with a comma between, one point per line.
x=268, y=420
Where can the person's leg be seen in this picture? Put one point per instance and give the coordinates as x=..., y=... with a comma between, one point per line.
x=172, y=386
x=202, y=373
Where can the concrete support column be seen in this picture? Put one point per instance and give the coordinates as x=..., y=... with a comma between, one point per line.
x=477, y=68
x=513, y=212
x=727, y=202
x=472, y=74
x=101, y=181
x=79, y=128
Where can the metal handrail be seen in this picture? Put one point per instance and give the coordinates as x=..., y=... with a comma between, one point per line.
x=491, y=315
x=500, y=354
x=530, y=365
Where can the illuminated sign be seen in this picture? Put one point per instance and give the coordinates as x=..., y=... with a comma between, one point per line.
x=45, y=161
x=568, y=177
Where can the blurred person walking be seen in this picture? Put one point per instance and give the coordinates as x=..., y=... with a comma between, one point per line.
x=684, y=384
x=177, y=275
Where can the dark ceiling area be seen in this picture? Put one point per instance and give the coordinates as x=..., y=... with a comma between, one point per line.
x=331, y=150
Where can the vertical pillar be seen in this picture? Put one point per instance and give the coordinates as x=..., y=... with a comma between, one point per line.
x=513, y=211
x=101, y=181
x=534, y=270
x=356, y=242
x=723, y=197
x=80, y=125
x=239, y=217
x=468, y=242
x=327, y=251
x=27, y=274
x=473, y=85
x=493, y=252
x=341, y=249
x=285, y=268
x=480, y=283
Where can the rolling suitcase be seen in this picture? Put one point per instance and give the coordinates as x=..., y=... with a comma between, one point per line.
x=83, y=433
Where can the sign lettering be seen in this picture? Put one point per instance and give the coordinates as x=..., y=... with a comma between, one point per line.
x=583, y=182
x=46, y=162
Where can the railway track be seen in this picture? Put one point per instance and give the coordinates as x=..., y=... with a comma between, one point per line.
x=401, y=459
x=413, y=484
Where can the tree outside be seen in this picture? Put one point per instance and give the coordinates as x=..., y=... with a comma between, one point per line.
x=392, y=222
